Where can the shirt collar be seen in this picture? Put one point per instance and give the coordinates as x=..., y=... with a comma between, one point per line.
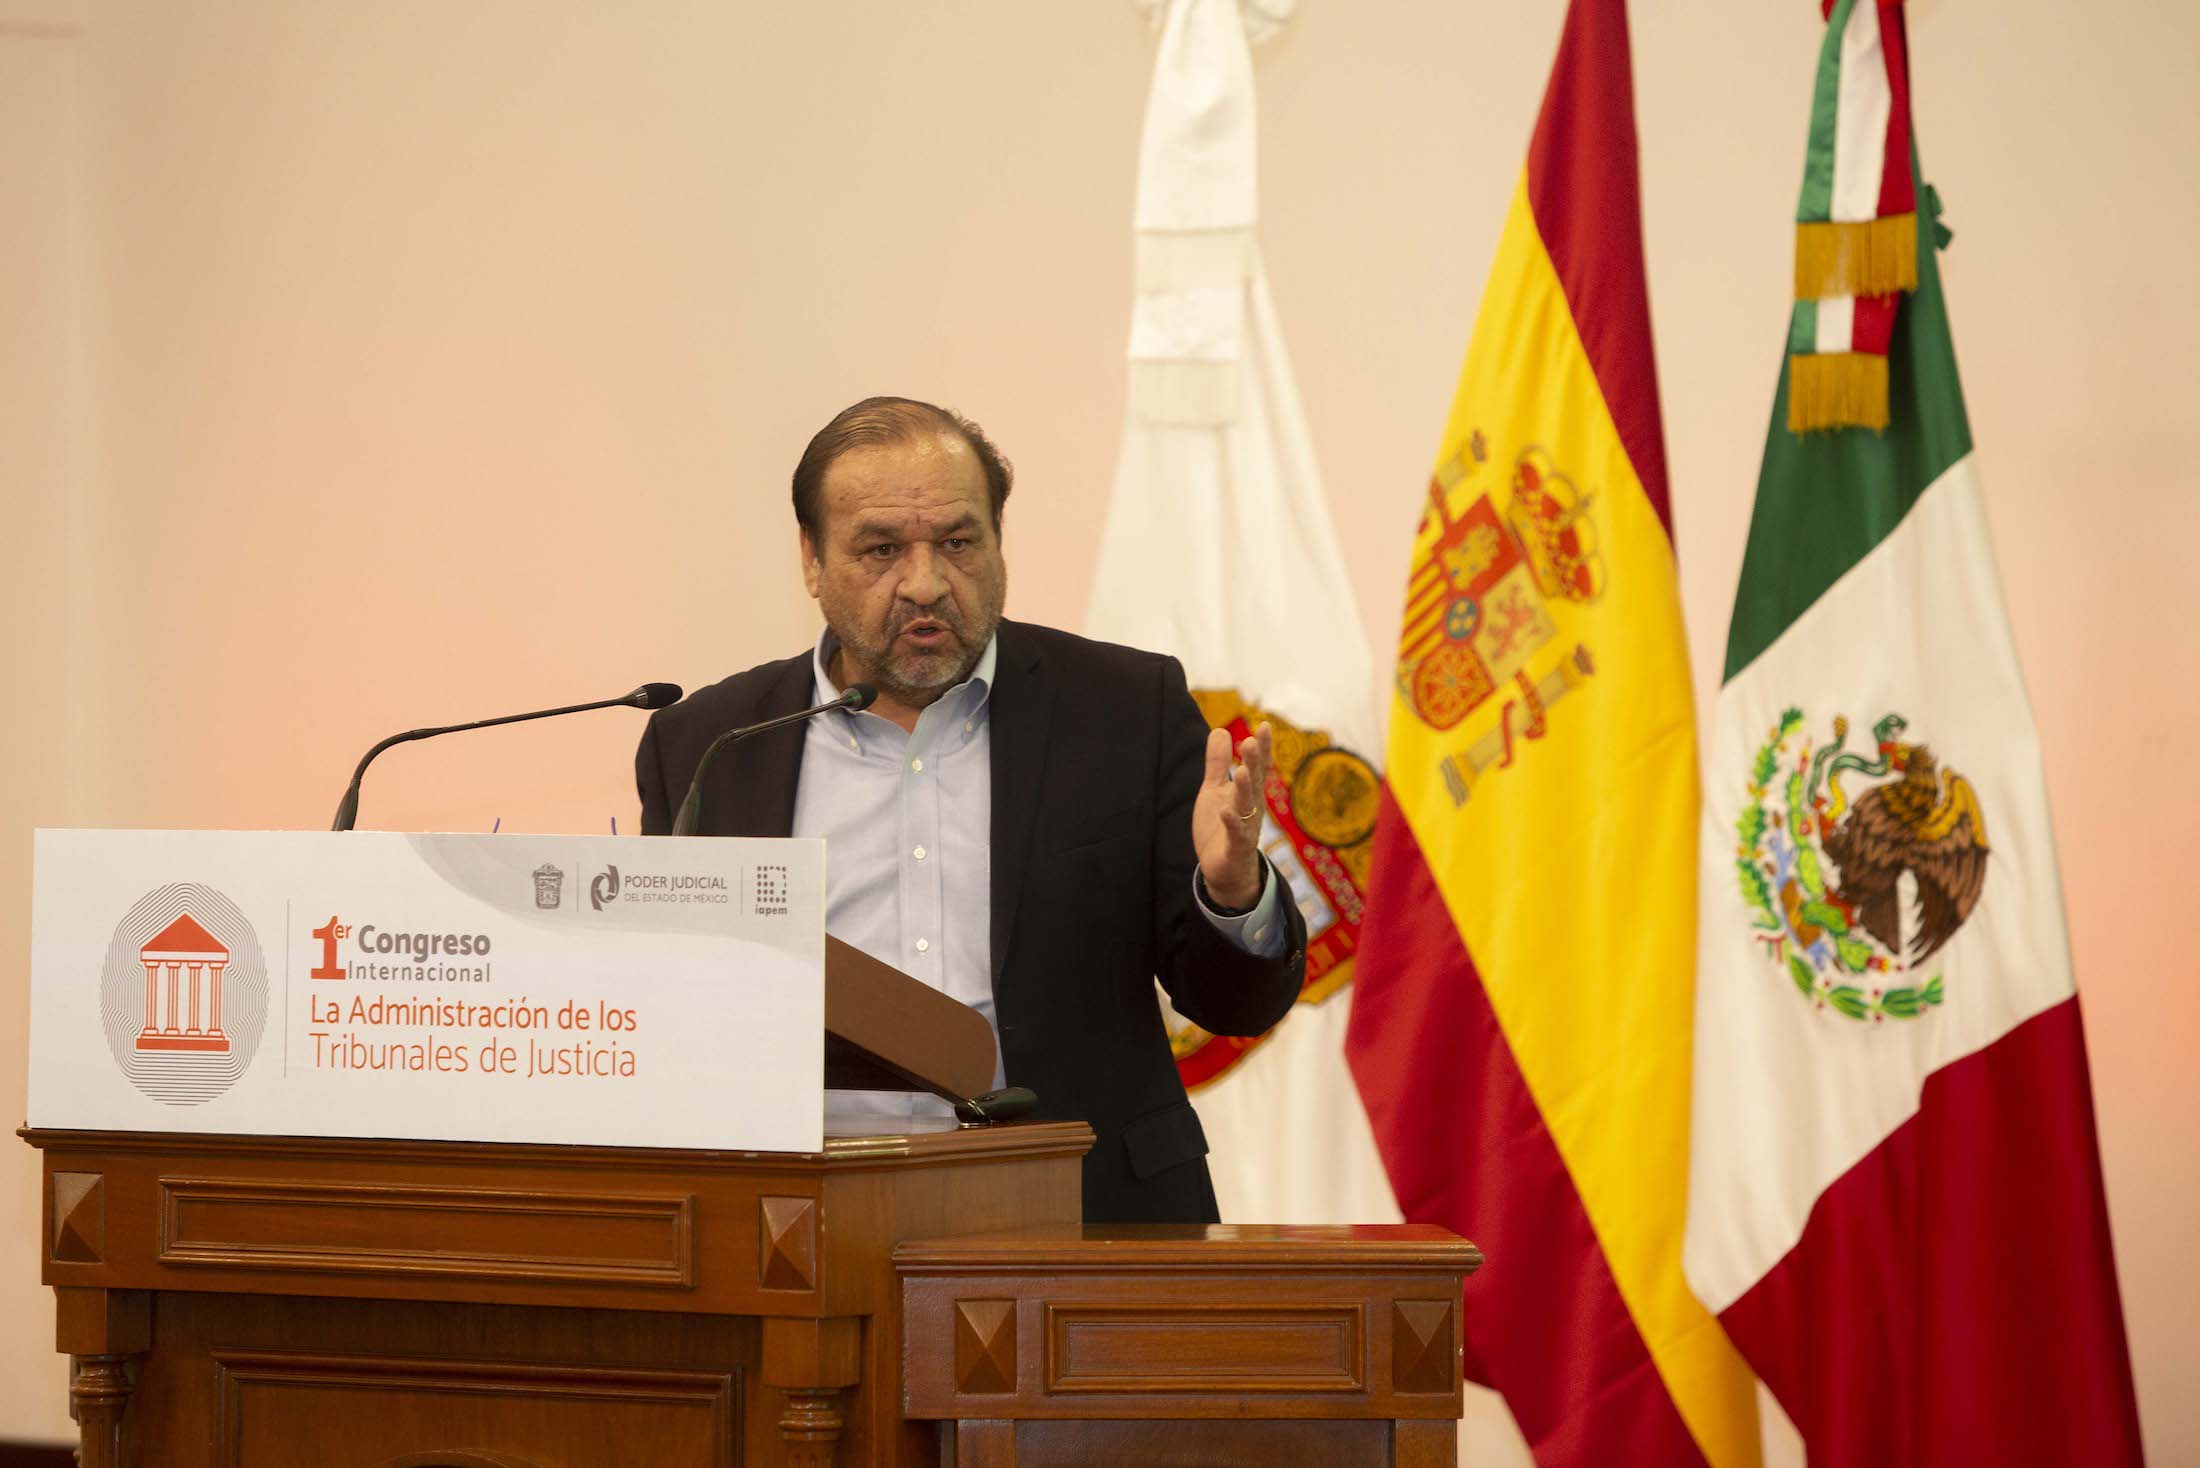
x=980, y=681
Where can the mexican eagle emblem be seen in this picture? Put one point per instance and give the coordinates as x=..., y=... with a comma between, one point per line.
x=1853, y=891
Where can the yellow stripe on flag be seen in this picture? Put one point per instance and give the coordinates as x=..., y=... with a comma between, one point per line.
x=1545, y=760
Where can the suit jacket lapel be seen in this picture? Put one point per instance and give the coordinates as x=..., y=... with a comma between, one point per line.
x=757, y=775
x=1020, y=708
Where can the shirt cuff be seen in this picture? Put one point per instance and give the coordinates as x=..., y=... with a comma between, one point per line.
x=1259, y=932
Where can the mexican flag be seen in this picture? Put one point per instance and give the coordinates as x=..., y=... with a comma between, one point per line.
x=1895, y=1202
x=1220, y=549
x=1522, y=1024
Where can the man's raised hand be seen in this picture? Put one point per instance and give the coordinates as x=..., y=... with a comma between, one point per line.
x=1226, y=818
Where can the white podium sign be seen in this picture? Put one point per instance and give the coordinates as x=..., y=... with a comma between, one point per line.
x=628, y=990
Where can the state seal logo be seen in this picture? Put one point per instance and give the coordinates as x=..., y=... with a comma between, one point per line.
x=1480, y=627
x=1852, y=893
x=1319, y=834
x=183, y=994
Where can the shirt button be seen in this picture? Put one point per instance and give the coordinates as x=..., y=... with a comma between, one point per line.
x=917, y=765
x=969, y=724
x=1260, y=935
x=924, y=945
x=918, y=853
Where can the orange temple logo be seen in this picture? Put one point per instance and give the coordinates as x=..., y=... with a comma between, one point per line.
x=183, y=994
x=187, y=955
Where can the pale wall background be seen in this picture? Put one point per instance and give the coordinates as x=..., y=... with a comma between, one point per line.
x=365, y=365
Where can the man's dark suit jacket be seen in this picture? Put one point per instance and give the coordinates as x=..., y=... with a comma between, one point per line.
x=1097, y=753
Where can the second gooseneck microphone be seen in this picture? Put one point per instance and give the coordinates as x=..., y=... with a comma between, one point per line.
x=648, y=696
x=858, y=696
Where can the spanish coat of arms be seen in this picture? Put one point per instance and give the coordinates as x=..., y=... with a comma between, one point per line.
x=1479, y=606
x=1852, y=891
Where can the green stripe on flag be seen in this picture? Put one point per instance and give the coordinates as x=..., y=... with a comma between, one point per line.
x=1803, y=329
x=1825, y=499
x=1825, y=108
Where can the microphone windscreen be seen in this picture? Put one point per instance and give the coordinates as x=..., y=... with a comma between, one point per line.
x=859, y=696
x=656, y=696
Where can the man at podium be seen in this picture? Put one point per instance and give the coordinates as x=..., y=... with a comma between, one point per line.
x=1035, y=824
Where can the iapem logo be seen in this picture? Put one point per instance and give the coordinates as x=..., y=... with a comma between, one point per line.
x=183, y=994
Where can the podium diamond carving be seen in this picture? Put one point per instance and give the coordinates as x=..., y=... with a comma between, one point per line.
x=79, y=1217
x=985, y=1346
x=787, y=1229
x=1421, y=1356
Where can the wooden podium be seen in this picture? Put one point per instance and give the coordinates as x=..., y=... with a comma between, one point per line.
x=271, y=1302
x=250, y=1302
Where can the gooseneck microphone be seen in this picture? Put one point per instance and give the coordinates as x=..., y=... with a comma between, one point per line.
x=648, y=696
x=858, y=696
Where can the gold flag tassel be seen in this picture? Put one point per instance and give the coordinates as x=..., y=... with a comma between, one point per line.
x=1832, y=390
x=1866, y=257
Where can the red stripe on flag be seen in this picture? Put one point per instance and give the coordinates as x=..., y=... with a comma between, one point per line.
x=1584, y=187
x=1953, y=1298
x=1897, y=191
x=1871, y=324
x=1465, y=1147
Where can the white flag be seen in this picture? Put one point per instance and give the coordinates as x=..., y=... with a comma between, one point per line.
x=1221, y=550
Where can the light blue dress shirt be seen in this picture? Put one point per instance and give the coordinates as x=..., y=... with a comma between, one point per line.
x=907, y=818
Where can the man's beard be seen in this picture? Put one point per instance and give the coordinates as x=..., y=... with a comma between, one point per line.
x=916, y=677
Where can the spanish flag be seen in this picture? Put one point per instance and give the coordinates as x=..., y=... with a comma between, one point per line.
x=1524, y=1017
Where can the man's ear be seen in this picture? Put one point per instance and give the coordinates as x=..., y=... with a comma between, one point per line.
x=812, y=570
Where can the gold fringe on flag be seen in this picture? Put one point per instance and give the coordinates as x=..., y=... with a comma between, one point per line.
x=1870, y=257
x=1837, y=390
